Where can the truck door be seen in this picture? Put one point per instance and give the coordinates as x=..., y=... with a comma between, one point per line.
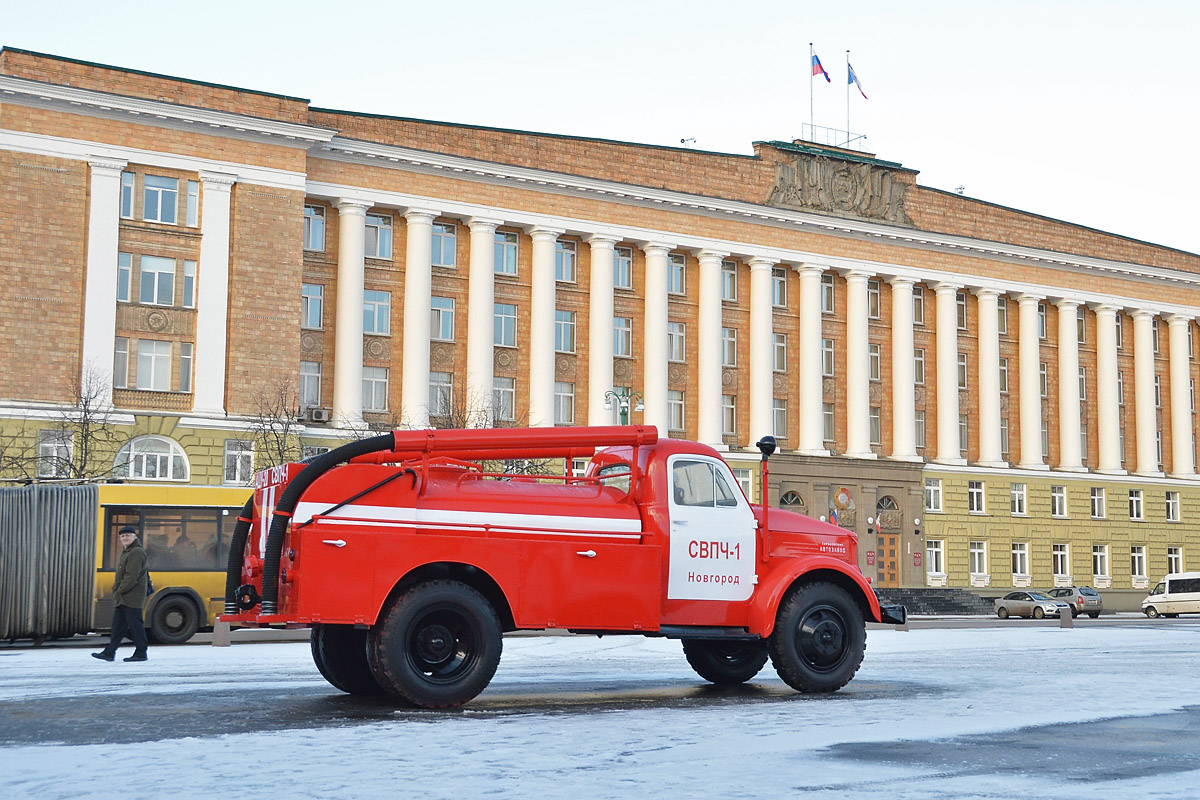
x=712, y=550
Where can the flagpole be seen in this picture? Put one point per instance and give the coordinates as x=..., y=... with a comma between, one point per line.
x=810, y=89
x=847, y=98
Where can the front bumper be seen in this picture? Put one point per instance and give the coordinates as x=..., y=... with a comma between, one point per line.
x=893, y=615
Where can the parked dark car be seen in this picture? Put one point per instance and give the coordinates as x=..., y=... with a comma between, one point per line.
x=1081, y=599
x=1029, y=604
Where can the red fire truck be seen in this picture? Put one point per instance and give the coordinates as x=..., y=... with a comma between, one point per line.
x=409, y=560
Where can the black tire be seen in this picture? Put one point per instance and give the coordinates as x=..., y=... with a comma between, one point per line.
x=1002, y=612
x=819, y=639
x=340, y=653
x=1170, y=616
x=1074, y=613
x=436, y=646
x=1093, y=614
x=174, y=620
x=1039, y=612
x=1151, y=612
x=725, y=663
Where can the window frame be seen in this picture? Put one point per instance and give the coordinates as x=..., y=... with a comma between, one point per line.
x=1018, y=499
x=441, y=318
x=505, y=252
x=378, y=302
x=444, y=239
x=312, y=230
x=160, y=193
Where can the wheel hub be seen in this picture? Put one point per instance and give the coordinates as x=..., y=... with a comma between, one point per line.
x=822, y=639
x=435, y=644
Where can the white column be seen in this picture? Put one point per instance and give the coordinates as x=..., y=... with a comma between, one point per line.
x=348, y=319
x=858, y=375
x=762, y=344
x=100, y=294
x=212, y=295
x=654, y=352
x=481, y=297
x=809, y=373
x=904, y=445
x=1143, y=393
x=1181, y=401
x=541, y=328
x=1029, y=385
x=1108, y=402
x=600, y=327
x=989, y=379
x=948, y=447
x=708, y=366
x=418, y=282
x=1069, y=456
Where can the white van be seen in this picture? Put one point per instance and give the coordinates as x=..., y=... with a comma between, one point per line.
x=1177, y=593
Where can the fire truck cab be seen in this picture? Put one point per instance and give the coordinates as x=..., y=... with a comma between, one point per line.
x=410, y=559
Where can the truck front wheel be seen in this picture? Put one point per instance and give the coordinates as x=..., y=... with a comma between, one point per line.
x=819, y=638
x=437, y=645
x=725, y=663
x=340, y=653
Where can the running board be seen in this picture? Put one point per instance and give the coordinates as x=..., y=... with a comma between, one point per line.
x=706, y=632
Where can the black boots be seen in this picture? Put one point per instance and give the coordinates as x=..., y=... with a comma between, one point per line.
x=136, y=657
x=103, y=655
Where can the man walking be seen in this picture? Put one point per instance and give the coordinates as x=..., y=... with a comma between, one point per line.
x=129, y=598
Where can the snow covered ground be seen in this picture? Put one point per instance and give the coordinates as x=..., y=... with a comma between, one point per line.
x=624, y=717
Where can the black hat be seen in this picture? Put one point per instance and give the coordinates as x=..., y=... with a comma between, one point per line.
x=127, y=529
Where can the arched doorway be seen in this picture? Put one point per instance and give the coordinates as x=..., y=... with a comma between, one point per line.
x=888, y=522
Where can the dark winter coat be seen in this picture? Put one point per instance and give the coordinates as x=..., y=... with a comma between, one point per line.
x=129, y=582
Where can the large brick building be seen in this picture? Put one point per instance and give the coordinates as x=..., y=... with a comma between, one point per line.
x=989, y=397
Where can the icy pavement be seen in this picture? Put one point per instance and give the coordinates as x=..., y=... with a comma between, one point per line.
x=931, y=713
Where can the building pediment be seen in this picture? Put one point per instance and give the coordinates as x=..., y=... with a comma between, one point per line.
x=844, y=188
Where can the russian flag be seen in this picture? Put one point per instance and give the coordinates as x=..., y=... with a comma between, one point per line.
x=833, y=520
x=817, y=69
x=852, y=77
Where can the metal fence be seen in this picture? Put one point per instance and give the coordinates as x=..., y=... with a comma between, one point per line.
x=47, y=560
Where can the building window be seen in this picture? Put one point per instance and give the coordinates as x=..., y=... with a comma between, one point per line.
x=676, y=341
x=1098, y=502
x=827, y=293
x=918, y=305
x=728, y=414
x=160, y=196
x=1017, y=495
x=314, y=228
x=239, y=461
x=1157, y=391
x=189, y=284
x=1002, y=314
x=623, y=268
x=933, y=494
x=1174, y=559
x=1083, y=383
x=308, y=451
x=1041, y=320
x=827, y=429
x=744, y=478
x=312, y=304
x=1154, y=333
x=874, y=363
x=1004, y=376
x=919, y=366
x=729, y=281
x=126, y=195
x=564, y=403
x=1099, y=561
x=964, y=431
x=780, y=352
x=1058, y=501
x=827, y=358
x=977, y=560
x=1080, y=325
x=919, y=429
x=975, y=497
x=962, y=370
x=121, y=363
x=185, y=366
x=874, y=302
x=1020, y=558
x=193, y=203
x=779, y=416
x=674, y=410
x=157, y=281
x=151, y=458
x=154, y=365
x=935, y=557
x=1137, y=561
x=504, y=325
x=676, y=273
x=564, y=261
x=1060, y=556
x=1136, y=510
x=1173, y=507
x=505, y=254
x=779, y=287
x=54, y=454
x=445, y=245
x=441, y=394
x=124, y=276
x=378, y=237
x=441, y=318
x=310, y=384
x=960, y=308
x=1004, y=437
x=375, y=388
x=1044, y=379
x=504, y=399
x=623, y=336
x=874, y=418
x=1120, y=329
x=377, y=312
x=1045, y=439
x=564, y=331
x=728, y=347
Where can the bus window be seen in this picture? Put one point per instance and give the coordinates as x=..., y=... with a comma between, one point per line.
x=175, y=539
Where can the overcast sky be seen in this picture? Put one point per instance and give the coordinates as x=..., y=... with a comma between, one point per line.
x=1083, y=111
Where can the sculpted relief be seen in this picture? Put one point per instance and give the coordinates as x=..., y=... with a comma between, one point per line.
x=833, y=186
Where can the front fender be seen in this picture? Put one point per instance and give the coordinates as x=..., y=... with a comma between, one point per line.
x=765, y=603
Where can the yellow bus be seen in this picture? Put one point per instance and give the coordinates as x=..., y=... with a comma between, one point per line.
x=186, y=532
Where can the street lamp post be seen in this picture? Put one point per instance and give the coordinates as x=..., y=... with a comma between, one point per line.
x=624, y=397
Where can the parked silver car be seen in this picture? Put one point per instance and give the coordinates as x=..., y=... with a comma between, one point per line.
x=1081, y=599
x=1029, y=604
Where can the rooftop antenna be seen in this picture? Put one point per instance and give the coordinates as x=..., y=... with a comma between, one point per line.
x=688, y=142
x=959, y=189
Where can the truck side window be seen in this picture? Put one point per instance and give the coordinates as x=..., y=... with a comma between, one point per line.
x=692, y=483
x=620, y=476
x=725, y=496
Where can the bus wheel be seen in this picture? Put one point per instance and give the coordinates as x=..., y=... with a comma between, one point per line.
x=340, y=653
x=437, y=645
x=175, y=620
x=819, y=638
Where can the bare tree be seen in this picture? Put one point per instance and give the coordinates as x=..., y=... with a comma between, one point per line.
x=84, y=439
x=276, y=425
x=18, y=451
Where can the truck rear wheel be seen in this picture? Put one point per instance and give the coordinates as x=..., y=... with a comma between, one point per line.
x=437, y=645
x=725, y=663
x=340, y=653
x=819, y=638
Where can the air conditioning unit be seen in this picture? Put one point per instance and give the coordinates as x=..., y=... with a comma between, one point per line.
x=318, y=414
